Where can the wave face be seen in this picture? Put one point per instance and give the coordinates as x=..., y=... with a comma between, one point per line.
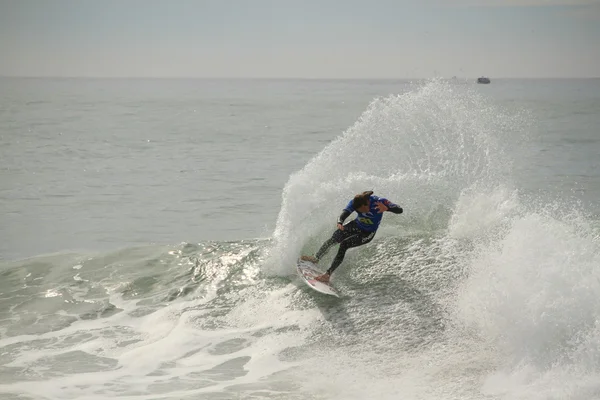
x=475, y=292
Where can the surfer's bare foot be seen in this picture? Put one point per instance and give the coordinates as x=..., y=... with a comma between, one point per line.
x=309, y=258
x=323, y=278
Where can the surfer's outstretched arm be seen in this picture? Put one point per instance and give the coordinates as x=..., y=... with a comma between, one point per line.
x=396, y=209
x=385, y=205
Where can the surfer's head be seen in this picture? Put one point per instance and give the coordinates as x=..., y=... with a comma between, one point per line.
x=362, y=201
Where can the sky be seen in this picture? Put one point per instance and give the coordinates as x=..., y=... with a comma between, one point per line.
x=387, y=39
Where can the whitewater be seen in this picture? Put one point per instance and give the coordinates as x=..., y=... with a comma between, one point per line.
x=477, y=291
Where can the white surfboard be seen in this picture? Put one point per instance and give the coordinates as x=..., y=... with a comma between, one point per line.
x=308, y=271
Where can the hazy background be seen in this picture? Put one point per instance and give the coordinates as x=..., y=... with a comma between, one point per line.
x=301, y=39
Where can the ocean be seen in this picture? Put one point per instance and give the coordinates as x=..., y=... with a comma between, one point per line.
x=150, y=229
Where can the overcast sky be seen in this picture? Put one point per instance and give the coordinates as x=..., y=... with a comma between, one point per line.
x=300, y=38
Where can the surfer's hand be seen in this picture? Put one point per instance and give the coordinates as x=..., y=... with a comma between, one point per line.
x=381, y=207
x=340, y=227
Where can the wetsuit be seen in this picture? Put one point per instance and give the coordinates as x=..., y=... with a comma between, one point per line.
x=357, y=232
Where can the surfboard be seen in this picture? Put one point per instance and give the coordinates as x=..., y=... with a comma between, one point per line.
x=308, y=271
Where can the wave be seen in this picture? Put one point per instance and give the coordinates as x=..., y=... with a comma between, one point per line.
x=476, y=291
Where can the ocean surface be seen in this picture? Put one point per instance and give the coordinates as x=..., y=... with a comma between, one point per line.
x=149, y=232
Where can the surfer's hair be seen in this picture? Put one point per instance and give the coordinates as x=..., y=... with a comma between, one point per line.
x=361, y=199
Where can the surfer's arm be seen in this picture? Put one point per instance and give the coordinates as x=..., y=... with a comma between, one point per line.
x=391, y=207
x=395, y=209
x=345, y=214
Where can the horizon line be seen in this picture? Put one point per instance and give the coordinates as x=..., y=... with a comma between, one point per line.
x=290, y=78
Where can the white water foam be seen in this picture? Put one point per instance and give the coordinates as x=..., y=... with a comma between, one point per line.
x=533, y=294
x=185, y=349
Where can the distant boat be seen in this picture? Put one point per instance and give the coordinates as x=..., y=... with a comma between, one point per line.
x=483, y=79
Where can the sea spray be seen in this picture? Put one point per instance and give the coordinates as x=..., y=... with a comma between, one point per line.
x=419, y=149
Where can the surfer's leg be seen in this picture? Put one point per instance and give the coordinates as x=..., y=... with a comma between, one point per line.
x=353, y=241
x=339, y=257
x=325, y=247
x=337, y=237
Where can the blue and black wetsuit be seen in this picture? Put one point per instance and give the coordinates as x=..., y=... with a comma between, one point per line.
x=357, y=232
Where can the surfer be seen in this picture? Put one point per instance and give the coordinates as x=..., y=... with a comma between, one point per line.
x=355, y=233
